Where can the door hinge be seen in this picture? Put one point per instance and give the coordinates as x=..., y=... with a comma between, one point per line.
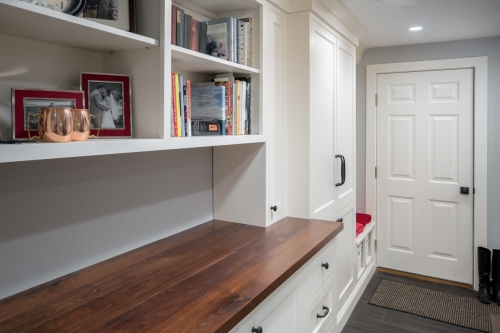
x=375, y=172
x=376, y=99
x=375, y=245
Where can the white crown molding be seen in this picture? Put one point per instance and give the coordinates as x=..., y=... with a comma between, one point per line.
x=340, y=11
x=359, y=53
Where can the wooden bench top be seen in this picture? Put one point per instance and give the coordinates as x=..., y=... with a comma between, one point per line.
x=205, y=279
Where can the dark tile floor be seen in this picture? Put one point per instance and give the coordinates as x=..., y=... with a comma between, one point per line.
x=370, y=318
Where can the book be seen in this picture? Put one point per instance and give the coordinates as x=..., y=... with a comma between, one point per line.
x=174, y=25
x=236, y=40
x=188, y=19
x=237, y=109
x=188, y=125
x=246, y=47
x=241, y=42
x=184, y=98
x=182, y=110
x=205, y=127
x=194, y=40
x=203, y=37
x=229, y=107
x=209, y=103
x=248, y=108
x=175, y=126
x=243, y=114
x=180, y=27
x=221, y=38
x=249, y=40
x=178, y=106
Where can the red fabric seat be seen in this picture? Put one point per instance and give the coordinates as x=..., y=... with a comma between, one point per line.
x=359, y=228
x=364, y=219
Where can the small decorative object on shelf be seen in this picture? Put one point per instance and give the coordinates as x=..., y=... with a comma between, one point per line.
x=81, y=125
x=114, y=13
x=108, y=98
x=26, y=101
x=55, y=125
x=70, y=7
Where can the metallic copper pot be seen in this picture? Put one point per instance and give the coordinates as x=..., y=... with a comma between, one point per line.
x=54, y=125
x=82, y=125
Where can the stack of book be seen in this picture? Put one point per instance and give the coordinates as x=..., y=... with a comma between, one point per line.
x=226, y=38
x=220, y=107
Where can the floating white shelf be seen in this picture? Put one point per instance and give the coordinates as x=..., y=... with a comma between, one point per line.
x=21, y=19
x=368, y=228
x=196, y=62
x=33, y=151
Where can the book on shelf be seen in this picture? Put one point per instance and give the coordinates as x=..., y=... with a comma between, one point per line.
x=229, y=103
x=248, y=104
x=209, y=103
x=175, y=125
x=178, y=105
x=188, y=100
x=205, y=127
x=226, y=38
x=182, y=110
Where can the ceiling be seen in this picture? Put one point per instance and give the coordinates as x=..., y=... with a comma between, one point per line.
x=387, y=21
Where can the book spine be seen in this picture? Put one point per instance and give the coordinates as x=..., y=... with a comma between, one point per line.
x=233, y=111
x=194, y=41
x=236, y=41
x=203, y=37
x=229, y=97
x=247, y=43
x=187, y=30
x=205, y=127
x=180, y=27
x=178, y=106
x=181, y=98
x=174, y=25
x=174, y=108
x=224, y=113
x=243, y=107
x=241, y=42
x=249, y=105
x=238, y=107
x=189, y=108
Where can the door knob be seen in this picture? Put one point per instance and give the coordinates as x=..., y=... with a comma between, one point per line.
x=464, y=190
x=257, y=330
x=325, y=265
x=340, y=220
x=275, y=208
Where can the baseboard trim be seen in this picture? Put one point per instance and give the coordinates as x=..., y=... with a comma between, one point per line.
x=424, y=278
x=354, y=297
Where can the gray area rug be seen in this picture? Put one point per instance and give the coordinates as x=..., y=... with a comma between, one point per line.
x=448, y=308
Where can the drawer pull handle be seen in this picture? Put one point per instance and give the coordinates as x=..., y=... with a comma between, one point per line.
x=327, y=310
x=340, y=220
x=325, y=265
x=275, y=208
x=257, y=330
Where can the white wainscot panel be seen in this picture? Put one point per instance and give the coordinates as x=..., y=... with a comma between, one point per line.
x=443, y=229
x=444, y=149
x=401, y=224
x=444, y=92
x=402, y=147
x=401, y=93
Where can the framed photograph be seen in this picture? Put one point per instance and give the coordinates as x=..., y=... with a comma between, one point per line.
x=108, y=96
x=70, y=7
x=25, y=101
x=115, y=13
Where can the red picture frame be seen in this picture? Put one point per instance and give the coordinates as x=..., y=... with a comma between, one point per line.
x=117, y=121
x=32, y=100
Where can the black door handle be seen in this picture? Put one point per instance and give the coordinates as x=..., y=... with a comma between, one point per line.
x=257, y=330
x=340, y=220
x=327, y=310
x=325, y=265
x=342, y=169
x=275, y=208
x=464, y=190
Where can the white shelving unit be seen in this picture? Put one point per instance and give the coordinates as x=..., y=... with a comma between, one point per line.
x=79, y=45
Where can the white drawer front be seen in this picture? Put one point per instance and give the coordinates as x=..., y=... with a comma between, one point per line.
x=325, y=305
x=317, y=272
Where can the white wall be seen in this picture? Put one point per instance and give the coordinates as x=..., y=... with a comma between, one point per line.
x=433, y=51
x=58, y=216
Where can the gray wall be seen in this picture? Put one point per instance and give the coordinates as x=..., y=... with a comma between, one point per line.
x=433, y=51
x=58, y=216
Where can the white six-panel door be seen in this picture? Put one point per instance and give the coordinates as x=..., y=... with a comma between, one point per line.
x=424, y=157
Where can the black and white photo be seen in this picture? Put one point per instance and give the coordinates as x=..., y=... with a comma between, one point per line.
x=33, y=106
x=118, y=14
x=101, y=9
x=106, y=101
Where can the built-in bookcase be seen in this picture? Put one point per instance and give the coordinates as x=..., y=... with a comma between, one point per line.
x=48, y=50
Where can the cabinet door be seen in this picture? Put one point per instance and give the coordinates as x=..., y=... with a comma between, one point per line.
x=346, y=256
x=322, y=106
x=345, y=124
x=276, y=107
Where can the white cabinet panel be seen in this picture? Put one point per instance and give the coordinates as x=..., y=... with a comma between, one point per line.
x=347, y=255
x=276, y=107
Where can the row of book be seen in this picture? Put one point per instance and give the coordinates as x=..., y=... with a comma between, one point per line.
x=220, y=107
x=226, y=38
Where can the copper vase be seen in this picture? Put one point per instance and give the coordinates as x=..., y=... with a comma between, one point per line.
x=54, y=125
x=82, y=125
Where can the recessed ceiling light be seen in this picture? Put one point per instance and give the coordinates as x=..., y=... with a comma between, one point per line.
x=415, y=28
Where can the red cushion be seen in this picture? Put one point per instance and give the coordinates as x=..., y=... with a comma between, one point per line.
x=364, y=219
x=359, y=228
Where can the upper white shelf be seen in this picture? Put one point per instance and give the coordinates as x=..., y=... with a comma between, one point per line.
x=33, y=151
x=192, y=61
x=21, y=19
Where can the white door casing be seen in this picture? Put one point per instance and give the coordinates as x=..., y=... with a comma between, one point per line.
x=424, y=156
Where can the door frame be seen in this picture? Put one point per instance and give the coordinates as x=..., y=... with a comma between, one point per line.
x=480, y=67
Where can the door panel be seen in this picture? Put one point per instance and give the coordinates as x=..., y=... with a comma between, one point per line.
x=323, y=49
x=276, y=97
x=424, y=156
x=345, y=122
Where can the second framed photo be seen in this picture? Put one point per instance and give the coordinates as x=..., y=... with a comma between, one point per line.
x=114, y=13
x=108, y=97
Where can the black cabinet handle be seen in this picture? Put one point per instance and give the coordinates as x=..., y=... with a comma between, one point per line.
x=275, y=208
x=340, y=220
x=464, y=190
x=327, y=310
x=257, y=330
x=342, y=169
x=325, y=265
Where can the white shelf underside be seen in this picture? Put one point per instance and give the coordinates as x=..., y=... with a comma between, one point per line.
x=21, y=19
